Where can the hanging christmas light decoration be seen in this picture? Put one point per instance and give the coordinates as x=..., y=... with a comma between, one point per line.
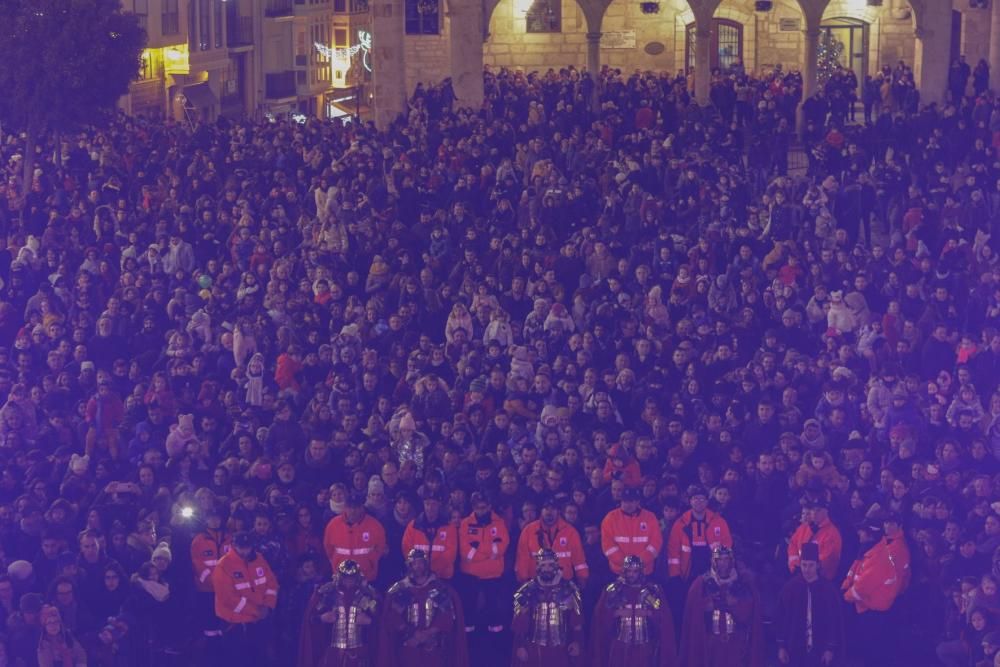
x=344, y=55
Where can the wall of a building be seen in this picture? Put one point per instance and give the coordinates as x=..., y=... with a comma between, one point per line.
x=769, y=38
x=278, y=47
x=509, y=45
x=427, y=57
x=975, y=34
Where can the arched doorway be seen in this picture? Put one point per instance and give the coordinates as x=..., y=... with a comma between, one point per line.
x=852, y=34
x=727, y=44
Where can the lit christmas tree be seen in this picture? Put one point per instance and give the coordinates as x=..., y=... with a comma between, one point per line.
x=828, y=56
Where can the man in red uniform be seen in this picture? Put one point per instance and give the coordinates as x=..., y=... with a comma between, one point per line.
x=339, y=628
x=816, y=528
x=632, y=623
x=354, y=535
x=693, y=537
x=422, y=623
x=246, y=591
x=872, y=585
x=207, y=548
x=552, y=532
x=548, y=619
x=631, y=531
x=483, y=541
x=433, y=533
x=723, y=625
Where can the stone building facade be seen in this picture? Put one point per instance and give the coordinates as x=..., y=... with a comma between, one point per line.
x=664, y=35
x=661, y=40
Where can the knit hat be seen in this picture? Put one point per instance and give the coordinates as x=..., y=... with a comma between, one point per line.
x=79, y=464
x=20, y=570
x=162, y=550
x=375, y=485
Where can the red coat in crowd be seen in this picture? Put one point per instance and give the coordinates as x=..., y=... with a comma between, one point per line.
x=876, y=579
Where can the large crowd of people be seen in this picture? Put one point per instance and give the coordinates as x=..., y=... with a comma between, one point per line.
x=550, y=381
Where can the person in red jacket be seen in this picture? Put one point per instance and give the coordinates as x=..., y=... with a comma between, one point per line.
x=552, y=532
x=620, y=461
x=356, y=536
x=246, y=591
x=631, y=531
x=435, y=535
x=693, y=537
x=816, y=528
x=207, y=548
x=483, y=542
x=872, y=585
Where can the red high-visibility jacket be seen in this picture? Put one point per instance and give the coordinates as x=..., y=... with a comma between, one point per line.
x=827, y=538
x=482, y=546
x=687, y=533
x=206, y=550
x=562, y=538
x=441, y=545
x=243, y=589
x=623, y=535
x=363, y=542
x=877, y=578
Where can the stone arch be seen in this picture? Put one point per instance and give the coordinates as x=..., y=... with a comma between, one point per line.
x=729, y=10
x=851, y=10
x=734, y=10
x=763, y=43
x=489, y=6
x=872, y=16
x=508, y=45
x=918, y=10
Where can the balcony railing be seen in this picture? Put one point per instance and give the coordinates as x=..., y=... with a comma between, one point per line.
x=280, y=84
x=240, y=30
x=278, y=8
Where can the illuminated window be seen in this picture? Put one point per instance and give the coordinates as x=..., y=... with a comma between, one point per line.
x=423, y=17
x=544, y=16
x=727, y=45
x=147, y=70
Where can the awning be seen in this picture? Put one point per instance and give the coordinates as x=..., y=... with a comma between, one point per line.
x=200, y=95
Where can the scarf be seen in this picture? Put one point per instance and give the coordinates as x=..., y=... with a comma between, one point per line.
x=159, y=592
